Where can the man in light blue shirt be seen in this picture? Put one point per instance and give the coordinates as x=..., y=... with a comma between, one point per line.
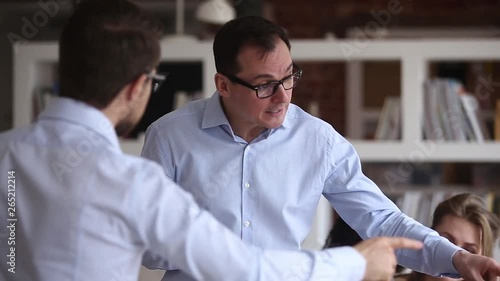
x=259, y=164
x=74, y=207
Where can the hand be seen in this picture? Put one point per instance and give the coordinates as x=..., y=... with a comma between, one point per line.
x=380, y=258
x=475, y=267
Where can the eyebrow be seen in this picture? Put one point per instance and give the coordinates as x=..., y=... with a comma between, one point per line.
x=451, y=237
x=472, y=245
x=269, y=75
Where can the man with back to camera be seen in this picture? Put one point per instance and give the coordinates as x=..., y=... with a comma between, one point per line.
x=259, y=164
x=77, y=208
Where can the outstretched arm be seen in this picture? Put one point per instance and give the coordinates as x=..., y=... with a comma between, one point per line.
x=380, y=257
x=172, y=226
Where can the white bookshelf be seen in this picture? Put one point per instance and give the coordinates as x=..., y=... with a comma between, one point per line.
x=35, y=65
x=415, y=57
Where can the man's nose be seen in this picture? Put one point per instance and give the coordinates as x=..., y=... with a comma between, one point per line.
x=281, y=94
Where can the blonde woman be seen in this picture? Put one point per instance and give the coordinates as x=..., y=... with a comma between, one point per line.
x=466, y=222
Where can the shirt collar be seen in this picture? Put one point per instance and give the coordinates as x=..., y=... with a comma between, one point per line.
x=82, y=114
x=214, y=115
x=286, y=122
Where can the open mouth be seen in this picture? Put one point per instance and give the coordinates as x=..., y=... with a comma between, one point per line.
x=275, y=111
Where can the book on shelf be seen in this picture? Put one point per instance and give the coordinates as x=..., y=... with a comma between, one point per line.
x=432, y=117
x=452, y=114
x=453, y=91
x=474, y=122
x=409, y=203
x=389, y=123
x=444, y=112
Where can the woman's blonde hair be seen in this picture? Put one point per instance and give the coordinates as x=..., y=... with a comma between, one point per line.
x=472, y=208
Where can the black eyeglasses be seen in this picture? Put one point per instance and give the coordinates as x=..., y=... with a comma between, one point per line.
x=156, y=80
x=267, y=90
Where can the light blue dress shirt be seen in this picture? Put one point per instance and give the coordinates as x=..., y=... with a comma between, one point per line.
x=267, y=191
x=85, y=211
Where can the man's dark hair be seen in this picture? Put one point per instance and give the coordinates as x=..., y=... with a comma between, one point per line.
x=104, y=46
x=244, y=31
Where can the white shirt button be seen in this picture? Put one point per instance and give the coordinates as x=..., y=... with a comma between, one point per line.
x=247, y=223
x=247, y=185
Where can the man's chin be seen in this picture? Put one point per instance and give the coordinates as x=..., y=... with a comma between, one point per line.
x=275, y=123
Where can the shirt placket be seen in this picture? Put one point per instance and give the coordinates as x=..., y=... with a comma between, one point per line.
x=247, y=196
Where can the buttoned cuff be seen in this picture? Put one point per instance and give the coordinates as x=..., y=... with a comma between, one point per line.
x=443, y=259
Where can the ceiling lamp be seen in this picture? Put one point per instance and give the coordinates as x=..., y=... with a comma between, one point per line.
x=215, y=12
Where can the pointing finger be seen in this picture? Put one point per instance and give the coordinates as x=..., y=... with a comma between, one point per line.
x=401, y=242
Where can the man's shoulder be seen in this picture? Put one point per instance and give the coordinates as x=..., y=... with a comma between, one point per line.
x=300, y=117
x=130, y=166
x=15, y=133
x=130, y=161
x=304, y=123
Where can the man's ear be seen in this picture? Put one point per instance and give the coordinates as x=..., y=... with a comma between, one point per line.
x=222, y=85
x=136, y=88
